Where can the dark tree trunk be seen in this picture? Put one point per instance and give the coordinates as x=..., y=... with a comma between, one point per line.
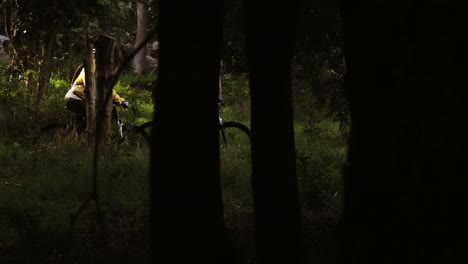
x=139, y=61
x=404, y=186
x=100, y=70
x=90, y=76
x=186, y=213
x=270, y=42
x=46, y=67
x=107, y=62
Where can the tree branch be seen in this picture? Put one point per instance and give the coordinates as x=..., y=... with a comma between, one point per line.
x=124, y=63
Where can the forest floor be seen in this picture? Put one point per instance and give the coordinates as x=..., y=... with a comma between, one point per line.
x=319, y=239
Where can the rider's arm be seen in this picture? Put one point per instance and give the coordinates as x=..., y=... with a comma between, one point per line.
x=121, y=100
x=115, y=96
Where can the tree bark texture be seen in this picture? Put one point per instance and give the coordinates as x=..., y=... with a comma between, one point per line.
x=270, y=41
x=139, y=61
x=89, y=67
x=106, y=64
x=186, y=212
x=46, y=67
x=100, y=69
x=404, y=181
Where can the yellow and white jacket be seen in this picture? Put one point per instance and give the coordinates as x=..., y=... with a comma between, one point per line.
x=77, y=90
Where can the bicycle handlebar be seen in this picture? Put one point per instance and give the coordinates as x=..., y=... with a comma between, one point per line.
x=124, y=104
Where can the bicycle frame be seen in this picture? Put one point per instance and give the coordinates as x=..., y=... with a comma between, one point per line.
x=223, y=131
x=140, y=129
x=118, y=120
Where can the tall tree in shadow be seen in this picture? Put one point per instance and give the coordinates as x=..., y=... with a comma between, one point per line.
x=186, y=211
x=270, y=42
x=404, y=184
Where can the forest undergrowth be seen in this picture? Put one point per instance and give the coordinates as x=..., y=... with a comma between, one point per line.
x=47, y=216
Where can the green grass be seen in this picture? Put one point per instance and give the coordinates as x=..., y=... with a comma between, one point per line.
x=41, y=188
x=320, y=153
x=236, y=177
x=42, y=185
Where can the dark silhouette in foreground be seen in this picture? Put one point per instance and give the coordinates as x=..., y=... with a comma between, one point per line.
x=404, y=181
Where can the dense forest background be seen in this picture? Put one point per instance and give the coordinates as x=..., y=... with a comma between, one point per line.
x=351, y=161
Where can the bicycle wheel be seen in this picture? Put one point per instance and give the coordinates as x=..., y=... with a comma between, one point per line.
x=139, y=131
x=234, y=124
x=235, y=170
x=52, y=132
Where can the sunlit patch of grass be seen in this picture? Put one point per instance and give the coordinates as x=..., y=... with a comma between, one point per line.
x=321, y=155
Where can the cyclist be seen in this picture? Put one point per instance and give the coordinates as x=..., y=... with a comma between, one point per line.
x=76, y=103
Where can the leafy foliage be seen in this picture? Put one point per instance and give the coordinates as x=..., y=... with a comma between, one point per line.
x=318, y=65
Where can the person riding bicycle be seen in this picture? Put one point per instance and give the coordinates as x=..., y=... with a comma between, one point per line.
x=75, y=100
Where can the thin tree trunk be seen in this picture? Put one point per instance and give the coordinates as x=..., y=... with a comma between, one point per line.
x=46, y=68
x=106, y=66
x=186, y=213
x=270, y=44
x=139, y=61
x=91, y=91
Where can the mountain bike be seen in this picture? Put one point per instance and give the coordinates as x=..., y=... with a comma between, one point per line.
x=75, y=126
x=144, y=129
x=57, y=130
